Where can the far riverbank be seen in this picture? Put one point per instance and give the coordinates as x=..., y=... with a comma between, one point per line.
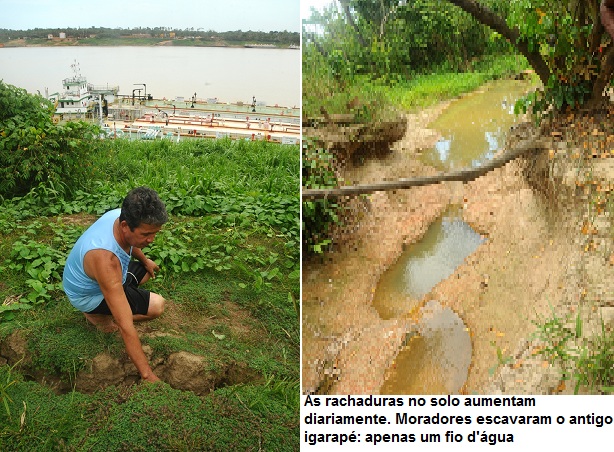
x=117, y=42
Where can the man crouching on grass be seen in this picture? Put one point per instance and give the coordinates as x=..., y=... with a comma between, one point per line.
x=101, y=280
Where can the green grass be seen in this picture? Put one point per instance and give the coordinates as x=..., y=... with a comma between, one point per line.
x=377, y=98
x=586, y=361
x=150, y=417
x=229, y=261
x=425, y=90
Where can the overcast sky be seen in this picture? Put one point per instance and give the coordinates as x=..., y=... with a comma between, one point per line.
x=306, y=6
x=217, y=15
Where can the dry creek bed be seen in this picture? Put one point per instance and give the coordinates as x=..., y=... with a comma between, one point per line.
x=538, y=261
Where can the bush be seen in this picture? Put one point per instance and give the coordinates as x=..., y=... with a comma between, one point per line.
x=319, y=215
x=34, y=150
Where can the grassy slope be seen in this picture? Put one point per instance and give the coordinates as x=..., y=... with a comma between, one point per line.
x=237, y=201
x=377, y=99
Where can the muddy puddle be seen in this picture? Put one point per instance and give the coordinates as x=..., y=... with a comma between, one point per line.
x=435, y=355
x=422, y=265
x=474, y=127
x=434, y=358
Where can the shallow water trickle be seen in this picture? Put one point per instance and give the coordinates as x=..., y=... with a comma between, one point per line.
x=474, y=127
x=422, y=265
x=435, y=358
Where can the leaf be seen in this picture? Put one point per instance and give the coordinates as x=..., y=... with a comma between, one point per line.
x=273, y=273
x=218, y=336
x=578, y=326
x=14, y=307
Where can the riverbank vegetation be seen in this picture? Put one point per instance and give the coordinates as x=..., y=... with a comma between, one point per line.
x=229, y=260
x=101, y=36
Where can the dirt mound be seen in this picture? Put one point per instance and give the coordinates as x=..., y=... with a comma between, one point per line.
x=351, y=140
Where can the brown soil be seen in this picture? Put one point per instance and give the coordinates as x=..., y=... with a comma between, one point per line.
x=353, y=142
x=533, y=265
x=346, y=346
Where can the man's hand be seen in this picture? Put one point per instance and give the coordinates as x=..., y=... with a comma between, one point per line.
x=151, y=378
x=151, y=267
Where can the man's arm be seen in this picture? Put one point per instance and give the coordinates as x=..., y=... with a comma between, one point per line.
x=607, y=16
x=105, y=268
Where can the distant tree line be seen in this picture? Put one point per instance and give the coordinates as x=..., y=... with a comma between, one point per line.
x=239, y=36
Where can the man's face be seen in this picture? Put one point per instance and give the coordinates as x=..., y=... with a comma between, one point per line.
x=142, y=235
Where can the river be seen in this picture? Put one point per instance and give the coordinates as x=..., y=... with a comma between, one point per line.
x=230, y=74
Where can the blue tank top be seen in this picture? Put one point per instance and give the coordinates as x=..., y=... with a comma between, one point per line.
x=84, y=292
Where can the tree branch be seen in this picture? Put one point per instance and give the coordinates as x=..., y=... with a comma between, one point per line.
x=348, y=14
x=465, y=175
x=487, y=17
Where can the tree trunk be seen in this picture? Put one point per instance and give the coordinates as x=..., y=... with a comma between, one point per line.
x=348, y=14
x=607, y=71
x=485, y=16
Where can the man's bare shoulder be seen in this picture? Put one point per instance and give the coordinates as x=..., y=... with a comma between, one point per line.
x=99, y=261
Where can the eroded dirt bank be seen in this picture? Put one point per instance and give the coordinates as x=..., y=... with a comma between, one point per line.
x=531, y=266
x=346, y=346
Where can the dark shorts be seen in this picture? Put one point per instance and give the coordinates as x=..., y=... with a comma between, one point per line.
x=138, y=299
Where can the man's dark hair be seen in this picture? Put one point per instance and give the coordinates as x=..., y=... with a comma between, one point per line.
x=143, y=205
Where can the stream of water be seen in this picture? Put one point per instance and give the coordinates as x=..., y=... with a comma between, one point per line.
x=475, y=126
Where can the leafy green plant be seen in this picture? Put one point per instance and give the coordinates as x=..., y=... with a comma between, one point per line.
x=34, y=150
x=42, y=264
x=588, y=362
x=319, y=215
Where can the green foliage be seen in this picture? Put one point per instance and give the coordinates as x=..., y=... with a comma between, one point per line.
x=34, y=150
x=586, y=361
x=556, y=94
x=565, y=35
x=233, y=189
x=319, y=215
x=242, y=183
x=42, y=264
x=391, y=40
x=150, y=417
x=394, y=41
x=39, y=262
